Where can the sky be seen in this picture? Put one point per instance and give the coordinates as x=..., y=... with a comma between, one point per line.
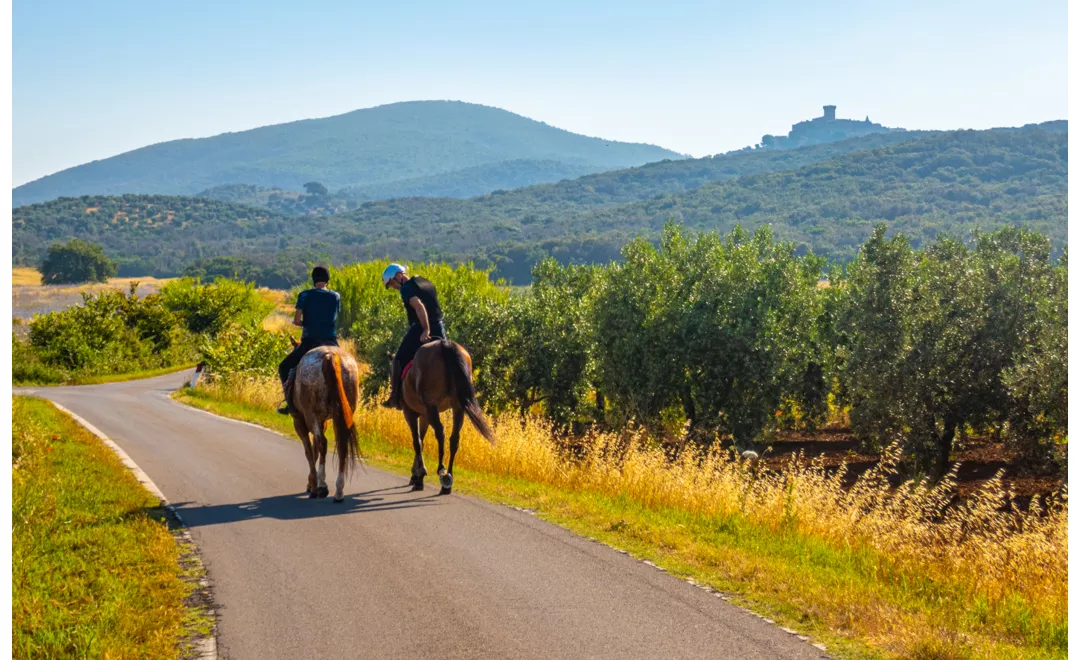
x=94, y=79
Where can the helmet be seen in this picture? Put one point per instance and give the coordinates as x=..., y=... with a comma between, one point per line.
x=390, y=272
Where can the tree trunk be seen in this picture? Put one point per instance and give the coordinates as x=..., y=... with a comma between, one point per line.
x=945, y=443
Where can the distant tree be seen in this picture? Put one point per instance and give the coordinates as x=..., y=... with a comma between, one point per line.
x=316, y=188
x=75, y=263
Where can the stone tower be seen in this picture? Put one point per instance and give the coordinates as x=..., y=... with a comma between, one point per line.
x=830, y=112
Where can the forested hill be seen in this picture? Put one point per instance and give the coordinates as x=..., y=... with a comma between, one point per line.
x=825, y=197
x=378, y=145
x=145, y=234
x=952, y=182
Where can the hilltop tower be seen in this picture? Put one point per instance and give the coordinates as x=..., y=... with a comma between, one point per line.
x=830, y=112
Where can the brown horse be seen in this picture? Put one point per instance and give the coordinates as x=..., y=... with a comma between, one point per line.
x=439, y=379
x=326, y=388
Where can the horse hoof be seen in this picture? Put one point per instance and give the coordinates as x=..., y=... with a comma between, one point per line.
x=312, y=495
x=339, y=501
x=445, y=490
x=323, y=491
x=446, y=480
x=418, y=485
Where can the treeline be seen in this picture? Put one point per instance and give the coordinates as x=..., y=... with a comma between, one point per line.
x=736, y=336
x=826, y=198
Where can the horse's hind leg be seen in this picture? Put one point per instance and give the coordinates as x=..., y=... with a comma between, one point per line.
x=418, y=428
x=440, y=435
x=447, y=480
x=302, y=430
x=320, y=447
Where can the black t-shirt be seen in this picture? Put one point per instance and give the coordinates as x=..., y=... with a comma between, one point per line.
x=423, y=289
x=320, y=312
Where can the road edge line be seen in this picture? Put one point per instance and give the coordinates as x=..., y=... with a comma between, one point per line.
x=206, y=649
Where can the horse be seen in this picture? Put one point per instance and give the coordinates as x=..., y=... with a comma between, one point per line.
x=326, y=388
x=439, y=378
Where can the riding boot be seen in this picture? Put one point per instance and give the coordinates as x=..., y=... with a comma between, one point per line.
x=395, y=386
x=287, y=390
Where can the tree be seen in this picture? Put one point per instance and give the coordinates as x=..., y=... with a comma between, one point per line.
x=75, y=263
x=316, y=188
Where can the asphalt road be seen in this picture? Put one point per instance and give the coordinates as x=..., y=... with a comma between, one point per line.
x=396, y=574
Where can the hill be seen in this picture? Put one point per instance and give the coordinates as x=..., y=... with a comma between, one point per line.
x=825, y=197
x=952, y=182
x=378, y=145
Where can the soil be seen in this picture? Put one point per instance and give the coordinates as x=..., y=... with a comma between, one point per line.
x=979, y=458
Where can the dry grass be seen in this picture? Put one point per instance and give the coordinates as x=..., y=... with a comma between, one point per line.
x=29, y=296
x=25, y=276
x=905, y=571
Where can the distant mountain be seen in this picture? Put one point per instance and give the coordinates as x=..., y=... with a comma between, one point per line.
x=381, y=145
x=826, y=197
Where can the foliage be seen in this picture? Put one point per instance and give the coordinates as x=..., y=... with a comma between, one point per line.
x=373, y=145
x=246, y=351
x=735, y=336
x=826, y=198
x=76, y=262
x=110, y=333
x=950, y=337
x=279, y=273
x=116, y=333
x=209, y=308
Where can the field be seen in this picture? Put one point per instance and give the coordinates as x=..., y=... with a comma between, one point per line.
x=869, y=570
x=96, y=571
x=30, y=297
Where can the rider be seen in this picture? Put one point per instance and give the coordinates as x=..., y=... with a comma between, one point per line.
x=425, y=322
x=317, y=313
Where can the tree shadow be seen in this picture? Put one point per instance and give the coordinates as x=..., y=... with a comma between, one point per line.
x=298, y=507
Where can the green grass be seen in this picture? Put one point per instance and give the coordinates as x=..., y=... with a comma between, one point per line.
x=88, y=379
x=96, y=571
x=858, y=601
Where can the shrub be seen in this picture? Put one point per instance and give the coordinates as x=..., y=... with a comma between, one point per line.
x=208, y=308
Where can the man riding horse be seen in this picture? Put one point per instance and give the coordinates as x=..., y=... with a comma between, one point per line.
x=425, y=322
x=317, y=313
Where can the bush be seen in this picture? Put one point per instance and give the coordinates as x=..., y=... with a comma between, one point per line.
x=208, y=308
x=76, y=262
x=239, y=350
x=110, y=333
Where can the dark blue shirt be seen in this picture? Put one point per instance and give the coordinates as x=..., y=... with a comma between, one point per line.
x=320, y=309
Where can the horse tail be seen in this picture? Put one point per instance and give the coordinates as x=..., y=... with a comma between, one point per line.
x=459, y=377
x=348, y=444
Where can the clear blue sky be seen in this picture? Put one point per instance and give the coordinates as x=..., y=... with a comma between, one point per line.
x=94, y=79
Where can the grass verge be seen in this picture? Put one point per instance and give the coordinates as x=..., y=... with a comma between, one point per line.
x=96, y=570
x=867, y=572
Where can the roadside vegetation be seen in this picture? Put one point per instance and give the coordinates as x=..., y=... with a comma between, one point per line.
x=624, y=396
x=96, y=571
x=112, y=334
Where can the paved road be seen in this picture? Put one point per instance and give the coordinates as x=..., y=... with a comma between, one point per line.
x=396, y=574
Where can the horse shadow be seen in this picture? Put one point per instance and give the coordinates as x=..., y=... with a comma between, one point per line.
x=297, y=507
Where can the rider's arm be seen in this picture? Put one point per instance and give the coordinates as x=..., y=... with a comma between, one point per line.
x=298, y=318
x=421, y=313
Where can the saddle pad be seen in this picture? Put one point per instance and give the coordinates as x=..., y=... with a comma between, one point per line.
x=405, y=370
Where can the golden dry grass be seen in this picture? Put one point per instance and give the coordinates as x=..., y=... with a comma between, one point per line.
x=30, y=297
x=25, y=276
x=905, y=570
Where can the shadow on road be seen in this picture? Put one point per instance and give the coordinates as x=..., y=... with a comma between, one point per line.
x=299, y=506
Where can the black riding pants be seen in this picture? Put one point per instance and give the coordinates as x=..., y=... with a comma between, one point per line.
x=293, y=359
x=411, y=343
